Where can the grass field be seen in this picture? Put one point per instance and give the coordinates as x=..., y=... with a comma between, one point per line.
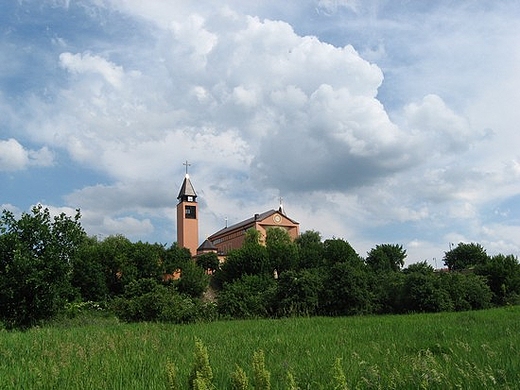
x=469, y=350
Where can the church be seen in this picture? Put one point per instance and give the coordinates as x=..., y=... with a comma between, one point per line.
x=229, y=237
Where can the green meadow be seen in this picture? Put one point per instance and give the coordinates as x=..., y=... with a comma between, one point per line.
x=467, y=350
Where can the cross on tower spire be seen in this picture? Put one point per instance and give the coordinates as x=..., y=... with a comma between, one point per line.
x=187, y=164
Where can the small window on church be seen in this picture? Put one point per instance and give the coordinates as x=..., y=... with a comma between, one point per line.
x=190, y=212
x=190, y=198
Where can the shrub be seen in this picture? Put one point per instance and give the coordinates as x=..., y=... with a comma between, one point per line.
x=346, y=291
x=148, y=300
x=298, y=292
x=249, y=297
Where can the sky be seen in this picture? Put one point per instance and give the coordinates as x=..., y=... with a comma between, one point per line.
x=377, y=122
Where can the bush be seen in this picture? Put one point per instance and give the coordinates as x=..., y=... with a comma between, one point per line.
x=424, y=293
x=298, y=292
x=346, y=291
x=148, y=300
x=249, y=297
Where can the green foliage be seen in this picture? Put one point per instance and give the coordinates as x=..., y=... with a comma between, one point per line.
x=201, y=376
x=88, y=272
x=502, y=274
x=425, y=293
x=239, y=380
x=387, y=290
x=298, y=292
x=346, y=291
x=310, y=249
x=251, y=259
x=386, y=257
x=36, y=253
x=422, y=267
x=281, y=251
x=340, y=251
x=193, y=281
x=339, y=380
x=174, y=258
x=208, y=261
x=171, y=373
x=261, y=376
x=249, y=297
x=459, y=350
x=467, y=291
x=148, y=300
x=113, y=254
x=465, y=256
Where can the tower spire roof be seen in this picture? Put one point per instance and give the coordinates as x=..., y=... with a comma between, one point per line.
x=187, y=189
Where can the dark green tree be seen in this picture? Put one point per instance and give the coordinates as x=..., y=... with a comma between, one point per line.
x=114, y=255
x=298, y=292
x=251, y=296
x=425, y=293
x=88, y=274
x=465, y=256
x=174, y=257
x=36, y=253
x=250, y=259
x=208, y=261
x=281, y=250
x=467, y=291
x=336, y=250
x=346, y=290
x=503, y=277
x=310, y=249
x=422, y=267
x=386, y=257
x=193, y=280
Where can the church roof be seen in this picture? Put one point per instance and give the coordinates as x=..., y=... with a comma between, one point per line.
x=186, y=188
x=207, y=245
x=250, y=222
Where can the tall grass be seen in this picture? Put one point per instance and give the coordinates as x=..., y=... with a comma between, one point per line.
x=471, y=350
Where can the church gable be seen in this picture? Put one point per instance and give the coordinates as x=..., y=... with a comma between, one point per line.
x=232, y=237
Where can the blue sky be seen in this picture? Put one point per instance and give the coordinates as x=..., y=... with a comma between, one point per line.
x=376, y=121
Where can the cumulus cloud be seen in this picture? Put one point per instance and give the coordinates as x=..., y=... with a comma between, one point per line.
x=439, y=125
x=14, y=157
x=281, y=99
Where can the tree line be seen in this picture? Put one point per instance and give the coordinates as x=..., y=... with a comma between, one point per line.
x=49, y=265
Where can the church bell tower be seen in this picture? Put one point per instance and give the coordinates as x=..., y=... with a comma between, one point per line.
x=187, y=216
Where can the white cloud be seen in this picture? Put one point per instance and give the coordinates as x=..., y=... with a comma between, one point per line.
x=262, y=103
x=88, y=63
x=14, y=157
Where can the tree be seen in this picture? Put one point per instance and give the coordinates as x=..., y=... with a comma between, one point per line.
x=425, y=293
x=346, y=291
x=298, y=292
x=465, y=256
x=36, y=253
x=503, y=277
x=337, y=250
x=251, y=296
x=282, y=252
x=422, y=267
x=88, y=275
x=386, y=257
x=208, y=261
x=310, y=249
x=193, y=281
x=250, y=259
x=114, y=255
